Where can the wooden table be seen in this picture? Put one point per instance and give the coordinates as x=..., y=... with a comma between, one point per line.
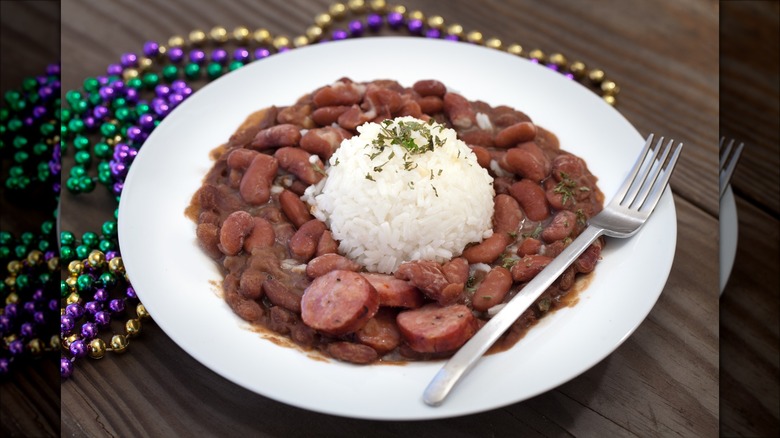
x=662, y=381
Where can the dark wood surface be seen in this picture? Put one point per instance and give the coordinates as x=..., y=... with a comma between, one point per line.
x=662, y=381
x=750, y=306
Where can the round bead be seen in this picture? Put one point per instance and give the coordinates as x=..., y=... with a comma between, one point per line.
x=610, y=88
x=117, y=305
x=119, y=343
x=89, y=330
x=197, y=37
x=261, y=36
x=337, y=10
x=73, y=298
x=557, y=59
x=596, y=76
x=96, y=259
x=77, y=348
x=66, y=367
x=379, y=6
x=75, y=310
x=100, y=295
x=14, y=267
x=35, y=347
x=493, y=43
x=54, y=342
x=300, y=41
x=537, y=55
x=92, y=307
x=279, y=42
x=176, y=54
x=395, y=20
x=475, y=37
x=610, y=100
x=218, y=34
x=241, y=34
x=357, y=6
x=374, y=22
x=66, y=323
x=133, y=327
x=97, y=348
x=323, y=20
x=415, y=26
x=102, y=318
x=151, y=48
x=140, y=310
x=455, y=29
x=416, y=15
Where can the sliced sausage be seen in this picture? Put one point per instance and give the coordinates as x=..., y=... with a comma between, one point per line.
x=433, y=328
x=339, y=302
x=428, y=276
x=394, y=292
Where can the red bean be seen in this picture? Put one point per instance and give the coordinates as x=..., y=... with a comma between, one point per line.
x=298, y=114
x=409, y=108
x=240, y=159
x=248, y=310
x=328, y=115
x=327, y=245
x=325, y=263
x=208, y=237
x=255, y=186
x=279, y=294
x=567, y=165
x=380, y=332
x=262, y=235
x=483, y=156
x=529, y=266
x=235, y=228
x=431, y=104
x=276, y=136
x=493, y=289
x=323, y=141
x=295, y=209
x=560, y=227
x=478, y=137
x=303, y=244
x=296, y=161
x=507, y=214
x=528, y=246
x=531, y=198
x=340, y=93
x=429, y=87
x=566, y=280
x=354, y=117
x=459, y=111
x=525, y=163
x=256, y=122
x=515, y=134
x=251, y=284
x=488, y=250
x=383, y=101
x=350, y=352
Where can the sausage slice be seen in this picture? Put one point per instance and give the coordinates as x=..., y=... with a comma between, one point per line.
x=339, y=302
x=433, y=328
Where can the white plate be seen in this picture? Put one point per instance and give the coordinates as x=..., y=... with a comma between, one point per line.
x=729, y=230
x=174, y=279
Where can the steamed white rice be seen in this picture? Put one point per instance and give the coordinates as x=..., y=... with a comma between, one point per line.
x=386, y=205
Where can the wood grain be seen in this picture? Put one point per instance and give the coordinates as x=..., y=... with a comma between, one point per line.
x=662, y=381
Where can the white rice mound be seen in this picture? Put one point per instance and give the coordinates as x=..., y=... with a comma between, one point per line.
x=421, y=206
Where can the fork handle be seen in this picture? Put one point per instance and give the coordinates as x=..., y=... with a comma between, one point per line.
x=468, y=355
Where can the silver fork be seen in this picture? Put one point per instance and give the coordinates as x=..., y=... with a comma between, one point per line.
x=622, y=217
x=728, y=162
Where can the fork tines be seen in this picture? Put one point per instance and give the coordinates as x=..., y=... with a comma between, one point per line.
x=657, y=163
x=728, y=162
